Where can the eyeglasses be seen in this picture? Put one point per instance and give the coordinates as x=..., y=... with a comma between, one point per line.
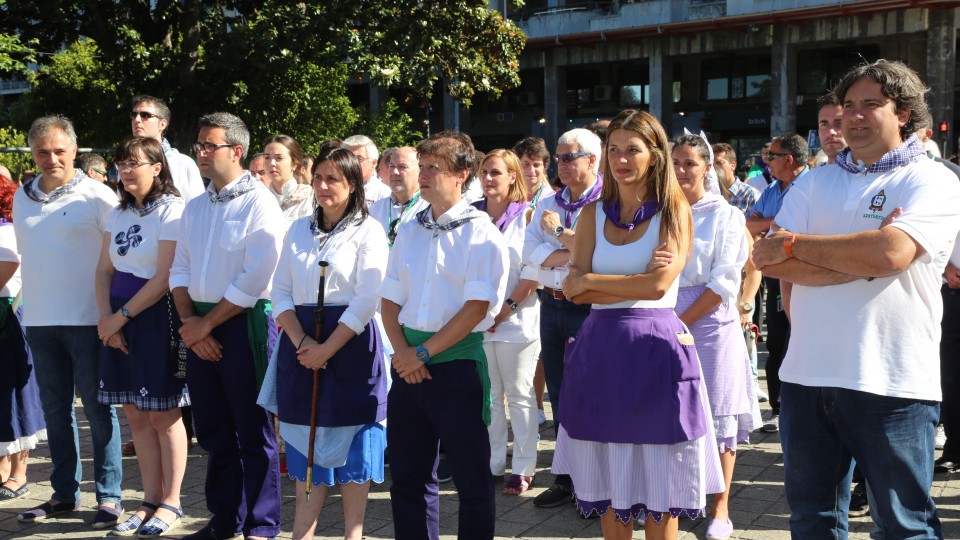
x=129, y=165
x=144, y=115
x=775, y=155
x=209, y=148
x=99, y=171
x=567, y=158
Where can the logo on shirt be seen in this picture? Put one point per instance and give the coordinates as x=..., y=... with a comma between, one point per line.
x=877, y=202
x=127, y=240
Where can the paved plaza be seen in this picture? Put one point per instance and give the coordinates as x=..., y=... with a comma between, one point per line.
x=758, y=508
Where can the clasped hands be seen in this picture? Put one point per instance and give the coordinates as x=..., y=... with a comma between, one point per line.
x=409, y=367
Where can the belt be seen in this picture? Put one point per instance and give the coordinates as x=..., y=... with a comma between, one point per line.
x=554, y=293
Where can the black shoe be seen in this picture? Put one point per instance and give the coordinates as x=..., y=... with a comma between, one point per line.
x=207, y=533
x=946, y=465
x=443, y=471
x=555, y=495
x=859, y=506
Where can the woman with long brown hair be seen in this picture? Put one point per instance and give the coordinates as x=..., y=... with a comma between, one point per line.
x=635, y=433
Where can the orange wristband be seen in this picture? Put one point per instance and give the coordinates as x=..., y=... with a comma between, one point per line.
x=788, y=242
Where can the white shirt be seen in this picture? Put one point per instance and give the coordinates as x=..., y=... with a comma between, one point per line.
x=474, y=191
x=290, y=192
x=758, y=182
x=523, y=326
x=720, y=247
x=358, y=261
x=539, y=244
x=8, y=253
x=59, y=244
x=229, y=250
x=374, y=190
x=185, y=173
x=138, y=237
x=880, y=336
x=432, y=277
x=386, y=210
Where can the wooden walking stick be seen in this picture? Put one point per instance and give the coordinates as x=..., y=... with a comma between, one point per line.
x=318, y=335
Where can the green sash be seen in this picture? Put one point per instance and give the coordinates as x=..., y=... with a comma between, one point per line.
x=257, y=322
x=468, y=348
x=5, y=302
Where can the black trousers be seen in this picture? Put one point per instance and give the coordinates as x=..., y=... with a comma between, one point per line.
x=778, y=334
x=950, y=371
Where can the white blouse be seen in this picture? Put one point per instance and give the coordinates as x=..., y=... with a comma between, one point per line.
x=431, y=277
x=134, y=239
x=295, y=200
x=386, y=210
x=358, y=260
x=8, y=253
x=523, y=326
x=720, y=247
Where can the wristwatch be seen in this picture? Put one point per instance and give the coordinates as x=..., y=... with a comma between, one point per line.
x=422, y=354
x=558, y=230
x=788, y=242
x=126, y=313
x=745, y=306
x=513, y=305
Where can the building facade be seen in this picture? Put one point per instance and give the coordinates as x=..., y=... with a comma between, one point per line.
x=741, y=70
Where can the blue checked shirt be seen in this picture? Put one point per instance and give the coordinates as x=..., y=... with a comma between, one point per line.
x=743, y=196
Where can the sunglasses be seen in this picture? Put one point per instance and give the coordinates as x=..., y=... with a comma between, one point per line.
x=392, y=233
x=144, y=115
x=567, y=158
x=775, y=155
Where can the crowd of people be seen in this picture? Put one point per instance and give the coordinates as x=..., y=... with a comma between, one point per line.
x=421, y=300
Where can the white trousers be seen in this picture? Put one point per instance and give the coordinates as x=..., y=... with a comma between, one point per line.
x=512, y=367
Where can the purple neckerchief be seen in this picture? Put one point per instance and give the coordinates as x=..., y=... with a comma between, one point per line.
x=32, y=189
x=513, y=210
x=646, y=211
x=906, y=153
x=584, y=200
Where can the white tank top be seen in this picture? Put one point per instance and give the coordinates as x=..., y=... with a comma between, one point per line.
x=629, y=259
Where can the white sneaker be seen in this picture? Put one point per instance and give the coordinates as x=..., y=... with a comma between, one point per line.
x=941, y=437
x=772, y=425
x=762, y=396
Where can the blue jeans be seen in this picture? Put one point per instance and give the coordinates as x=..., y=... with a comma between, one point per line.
x=560, y=320
x=67, y=357
x=892, y=439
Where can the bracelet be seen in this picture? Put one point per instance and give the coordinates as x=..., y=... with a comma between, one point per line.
x=512, y=304
x=304, y=338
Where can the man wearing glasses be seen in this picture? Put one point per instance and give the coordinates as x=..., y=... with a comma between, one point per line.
x=546, y=247
x=366, y=152
x=404, y=201
x=229, y=247
x=149, y=117
x=788, y=162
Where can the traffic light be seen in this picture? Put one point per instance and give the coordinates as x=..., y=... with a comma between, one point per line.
x=944, y=127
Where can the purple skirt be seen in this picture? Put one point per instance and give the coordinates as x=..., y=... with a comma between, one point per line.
x=628, y=378
x=147, y=377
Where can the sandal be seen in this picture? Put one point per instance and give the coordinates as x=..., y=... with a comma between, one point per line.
x=7, y=494
x=132, y=525
x=47, y=509
x=107, y=516
x=516, y=485
x=157, y=527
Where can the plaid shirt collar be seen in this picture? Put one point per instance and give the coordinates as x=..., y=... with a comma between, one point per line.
x=908, y=152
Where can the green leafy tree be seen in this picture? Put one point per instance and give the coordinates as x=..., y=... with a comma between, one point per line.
x=389, y=127
x=15, y=56
x=235, y=55
x=15, y=161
